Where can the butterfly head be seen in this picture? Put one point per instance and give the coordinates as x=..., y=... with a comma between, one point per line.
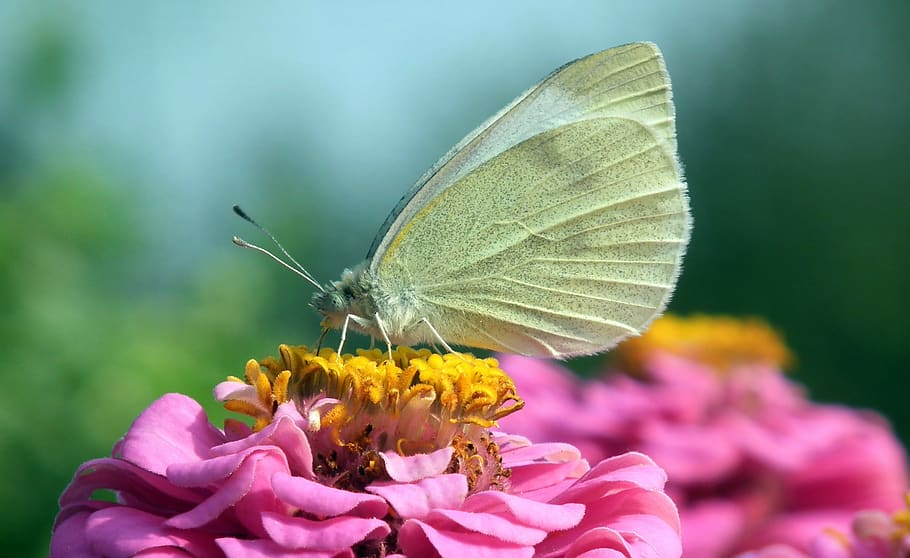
x=349, y=295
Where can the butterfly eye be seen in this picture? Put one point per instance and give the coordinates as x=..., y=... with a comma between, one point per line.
x=347, y=292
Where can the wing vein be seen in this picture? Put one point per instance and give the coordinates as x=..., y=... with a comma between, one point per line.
x=618, y=223
x=599, y=261
x=641, y=93
x=574, y=294
x=604, y=186
x=524, y=325
x=560, y=314
x=617, y=71
x=612, y=204
x=502, y=275
x=496, y=340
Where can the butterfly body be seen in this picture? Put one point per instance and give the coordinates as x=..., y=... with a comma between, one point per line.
x=359, y=294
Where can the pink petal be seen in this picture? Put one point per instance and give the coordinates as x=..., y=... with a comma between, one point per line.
x=284, y=433
x=826, y=545
x=324, y=501
x=642, y=535
x=712, y=528
x=649, y=535
x=784, y=551
x=550, y=517
x=335, y=533
x=78, y=508
x=209, y=471
x=598, y=553
x=496, y=526
x=416, y=500
x=147, y=490
x=541, y=471
x=866, y=465
x=634, y=503
x=544, y=481
x=537, y=374
x=124, y=532
x=419, y=539
x=632, y=467
x=242, y=548
x=69, y=537
x=249, y=483
x=527, y=453
x=873, y=524
x=691, y=453
x=646, y=519
x=547, y=493
x=153, y=444
x=600, y=541
x=416, y=467
x=238, y=391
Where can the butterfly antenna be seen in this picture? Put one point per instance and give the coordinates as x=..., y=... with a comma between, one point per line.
x=244, y=244
x=296, y=268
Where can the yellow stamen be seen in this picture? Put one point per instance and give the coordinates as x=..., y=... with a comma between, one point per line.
x=902, y=519
x=415, y=403
x=720, y=342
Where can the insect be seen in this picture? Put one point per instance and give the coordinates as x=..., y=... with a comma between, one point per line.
x=555, y=229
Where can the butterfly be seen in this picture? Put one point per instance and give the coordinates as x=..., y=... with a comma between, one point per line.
x=555, y=229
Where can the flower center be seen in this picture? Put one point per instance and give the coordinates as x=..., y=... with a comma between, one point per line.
x=720, y=342
x=360, y=405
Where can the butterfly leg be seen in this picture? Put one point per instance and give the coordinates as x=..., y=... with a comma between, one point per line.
x=325, y=330
x=435, y=333
x=367, y=324
x=344, y=332
x=385, y=335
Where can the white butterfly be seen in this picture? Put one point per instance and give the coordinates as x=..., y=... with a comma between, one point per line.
x=556, y=228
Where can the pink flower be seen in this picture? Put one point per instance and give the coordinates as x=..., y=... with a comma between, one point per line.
x=751, y=462
x=339, y=464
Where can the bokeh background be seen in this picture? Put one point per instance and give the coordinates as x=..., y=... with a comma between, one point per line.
x=126, y=133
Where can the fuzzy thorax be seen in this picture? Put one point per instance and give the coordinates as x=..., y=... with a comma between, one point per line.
x=361, y=295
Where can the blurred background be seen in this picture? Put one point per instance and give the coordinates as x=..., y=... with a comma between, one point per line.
x=126, y=134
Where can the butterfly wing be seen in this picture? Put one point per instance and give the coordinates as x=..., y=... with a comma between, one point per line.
x=558, y=227
x=629, y=80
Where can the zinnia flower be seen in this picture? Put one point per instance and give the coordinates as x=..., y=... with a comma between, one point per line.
x=359, y=456
x=751, y=462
